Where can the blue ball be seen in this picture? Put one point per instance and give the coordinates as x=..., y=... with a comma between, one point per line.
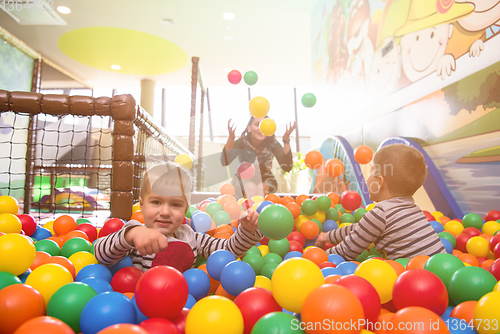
x=448, y=311
x=347, y=268
x=94, y=270
x=125, y=262
x=327, y=271
x=335, y=259
x=329, y=225
x=458, y=326
x=190, y=302
x=98, y=284
x=106, y=309
x=41, y=233
x=291, y=254
x=217, y=261
x=447, y=245
x=198, y=283
x=140, y=316
x=437, y=226
x=201, y=222
x=262, y=205
x=236, y=277
x=24, y=275
x=310, y=242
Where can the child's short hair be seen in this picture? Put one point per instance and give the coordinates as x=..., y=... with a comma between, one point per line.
x=167, y=179
x=403, y=168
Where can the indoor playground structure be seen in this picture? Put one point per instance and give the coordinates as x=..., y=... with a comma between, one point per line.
x=424, y=74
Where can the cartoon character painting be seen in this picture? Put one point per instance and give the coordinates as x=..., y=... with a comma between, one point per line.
x=336, y=47
x=386, y=67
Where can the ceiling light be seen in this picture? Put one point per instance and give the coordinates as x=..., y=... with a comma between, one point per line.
x=167, y=22
x=228, y=16
x=227, y=69
x=228, y=37
x=63, y=10
x=116, y=67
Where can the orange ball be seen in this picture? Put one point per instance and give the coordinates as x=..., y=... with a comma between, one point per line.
x=204, y=207
x=221, y=292
x=398, y=267
x=309, y=229
x=487, y=263
x=300, y=199
x=63, y=262
x=44, y=325
x=233, y=208
x=224, y=229
x=75, y=234
x=287, y=199
x=464, y=311
x=313, y=159
x=273, y=198
x=57, y=240
x=334, y=197
x=332, y=278
x=316, y=255
x=64, y=224
x=294, y=209
x=19, y=303
x=363, y=154
x=227, y=189
x=383, y=318
x=456, y=252
x=428, y=321
x=226, y=199
x=138, y=216
x=334, y=167
x=40, y=256
x=222, y=235
x=469, y=258
x=123, y=329
x=418, y=262
x=214, y=284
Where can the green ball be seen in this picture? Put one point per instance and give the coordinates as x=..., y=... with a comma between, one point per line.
x=275, y=222
x=66, y=304
x=82, y=221
x=324, y=203
x=309, y=207
x=363, y=256
x=277, y=322
x=359, y=213
x=255, y=261
x=472, y=220
x=254, y=250
x=190, y=210
x=403, y=261
x=212, y=208
x=347, y=218
x=340, y=208
x=7, y=279
x=74, y=245
x=250, y=78
x=48, y=246
x=221, y=218
x=470, y=283
x=449, y=237
x=268, y=270
x=272, y=258
x=332, y=214
x=444, y=266
x=280, y=247
x=308, y=100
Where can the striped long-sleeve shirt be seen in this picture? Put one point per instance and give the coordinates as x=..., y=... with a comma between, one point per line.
x=396, y=227
x=112, y=248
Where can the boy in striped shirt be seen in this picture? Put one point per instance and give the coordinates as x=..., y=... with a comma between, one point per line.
x=163, y=239
x=396, y=226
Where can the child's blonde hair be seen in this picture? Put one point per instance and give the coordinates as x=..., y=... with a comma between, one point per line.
x=403, y=168
x=167, y=179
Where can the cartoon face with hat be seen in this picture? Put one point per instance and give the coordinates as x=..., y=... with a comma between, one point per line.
x=425, y=35
x=386, y=67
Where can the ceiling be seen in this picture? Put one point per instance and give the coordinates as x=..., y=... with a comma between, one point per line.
x=270, y=37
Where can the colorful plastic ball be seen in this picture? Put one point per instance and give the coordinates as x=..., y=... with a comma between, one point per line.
x=280, y=247
x=217, y=261
x=437, y=226
x=276, y=222
x=323, y=202
x=8, y=204
x=7, y=279
x=64, y=224
x=447, y=245
x=461, y=242
x=268, y=269
x=48, y=278
x=10, y=223
x=110, y=226
x=246, y=170
x=332, y=214
x=250, y=78
x=28, y=224
x=470, y=283
x=272, y=258
x=74, y=245
x=213, y=208
x=94, y=270
x=48, y=246
x=487, y=313
x=491, y=227
x=125, y=262
x=263, y=205
x=309, y=207
x=495, y=268
x=18, y=304
x=201, y=222
x=159, y=326
x=227, y=189
x=68, y=302
x=406, y=320
x=66, y=263
x=347, y=267
x=198, y=282
x=346, y=218
x=492, y=215
x=90, y=231
x=335, y=259
x=44, y=325
x=184, y=160
x=363, y=154
x=98, y=284
x=359, y=213
x=329, y=225
x=255, y=261
x=214, y=315
x=333, y=301
x=293, y=280
x=292, y=254
x=443, y=266
x=126, y=279
x=478, y=246
x=316, y=255
x=123, y=329
x=277, y=322
x=448, y=236
x=453, y=226
x=254, y=303
x=82, y=259
x=381, y=275
x=366, y=294
x=237, y=276
x=267, y=126
x=334, y=167
x=309, y=229
x=41, y=233
x=313, y=159
x=234, y=77
x=308, y=100
x=17, y=253
x=350, y=200
x=259, y=106
x=472, y=231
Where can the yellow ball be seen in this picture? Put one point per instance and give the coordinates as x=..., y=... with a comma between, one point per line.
x=136, y=207
x=267, y=127
x=17, y=253
x=48, y=278
x=437, y=214
x=344, y=225
x=259, y=106
x=214, y=315
x=467, y=264
x=497, y=286
x=487, y=313
x=8, y=204
x=9, y=223
x=490, y=227
x=319, y=215
x=454, y=226
x=262, y=282
x=293, y=280
x=299, y=221
x=381, y=275
x=264, y=250
x=478, y=246
x=49, y=226
x=82, y=259
x=184, y=160
x=491, y=256
x=257, y=199
x=254, y=206
x=370, y=206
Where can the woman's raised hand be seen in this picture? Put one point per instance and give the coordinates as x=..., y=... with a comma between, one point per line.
x=289, y=129
x=231, y=128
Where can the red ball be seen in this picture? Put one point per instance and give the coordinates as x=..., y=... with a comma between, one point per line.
x=296, y=246
x=264, y=241
x=255, y=303
x=327, y=245
x=428, y=215
x=327, y=265
x=246, y=170
x=495, y=269
x=234, y=77
x=159, y=326
x=492, y=216
x=297, y=236
x=28, y=223
x=110, y=226
x=350, y=200
x=180, y=320
x=90, y=231
x=496, y=251
x=419, y=287
x=461, y=242
x=161, y=292
x=366, y=293
x=494, y=241
x=472, y=231
x=125, y=279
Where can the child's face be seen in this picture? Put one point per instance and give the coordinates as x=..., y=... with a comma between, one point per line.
x=163, y=213
x=372, y=182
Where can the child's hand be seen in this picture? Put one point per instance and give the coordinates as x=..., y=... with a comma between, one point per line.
x=322, y=239
x=147, y=241
x=249, y=220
